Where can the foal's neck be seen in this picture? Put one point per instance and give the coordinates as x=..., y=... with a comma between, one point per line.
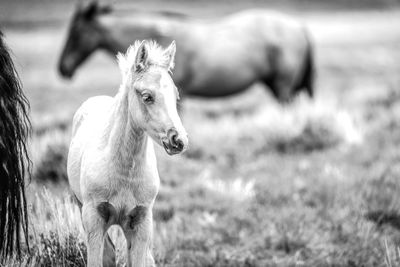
x=127, y=142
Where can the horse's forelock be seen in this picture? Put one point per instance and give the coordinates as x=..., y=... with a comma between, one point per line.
x=156, y=56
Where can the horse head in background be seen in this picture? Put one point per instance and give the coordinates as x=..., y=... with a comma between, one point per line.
x=85, y=36
x=215, y=58
x=14, y=159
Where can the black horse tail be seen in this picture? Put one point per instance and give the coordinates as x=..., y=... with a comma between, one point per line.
x=15, y=164
x=307, y=80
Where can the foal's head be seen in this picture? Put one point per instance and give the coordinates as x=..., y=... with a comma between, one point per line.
x=84, y=37
x=152, y=94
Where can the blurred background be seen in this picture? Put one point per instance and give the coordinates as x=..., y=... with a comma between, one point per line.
x=312, y=183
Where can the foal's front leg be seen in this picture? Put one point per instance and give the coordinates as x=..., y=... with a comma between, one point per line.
x=138, y=232
x=95, y=228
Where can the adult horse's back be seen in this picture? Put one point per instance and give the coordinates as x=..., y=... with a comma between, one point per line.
x=14, y=161
x=215, y=57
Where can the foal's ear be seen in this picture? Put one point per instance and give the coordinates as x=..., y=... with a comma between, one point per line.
x=142, y=54
x=170, y=54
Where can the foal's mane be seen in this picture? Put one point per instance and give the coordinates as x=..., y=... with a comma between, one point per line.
x=156, y=56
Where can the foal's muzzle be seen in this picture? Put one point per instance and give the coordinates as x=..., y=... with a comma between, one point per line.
x=173, y=144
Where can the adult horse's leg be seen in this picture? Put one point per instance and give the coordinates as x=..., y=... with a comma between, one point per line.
x=282, y=81
x=282, y=87
x=306, y=82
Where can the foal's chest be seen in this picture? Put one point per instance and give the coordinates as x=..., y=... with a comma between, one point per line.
x=122, y=188
x=141, y=189
x=124, y=199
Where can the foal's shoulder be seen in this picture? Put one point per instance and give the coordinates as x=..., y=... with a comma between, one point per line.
x=94, y=105
x=98, y=100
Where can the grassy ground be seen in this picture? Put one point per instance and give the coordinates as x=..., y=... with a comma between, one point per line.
x=313, y=184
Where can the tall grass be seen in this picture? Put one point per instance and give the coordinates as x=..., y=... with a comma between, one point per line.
x=236, y=203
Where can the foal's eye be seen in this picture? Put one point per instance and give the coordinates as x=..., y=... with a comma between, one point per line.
x=147, y=98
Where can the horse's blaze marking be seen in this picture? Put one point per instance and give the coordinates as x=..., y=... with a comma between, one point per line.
x=136, y=216
x=106, y=211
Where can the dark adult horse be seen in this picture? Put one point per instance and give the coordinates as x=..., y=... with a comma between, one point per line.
x=215, y=57
x=14, y=160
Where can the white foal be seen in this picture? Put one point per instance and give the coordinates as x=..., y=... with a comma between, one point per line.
x=111, y=163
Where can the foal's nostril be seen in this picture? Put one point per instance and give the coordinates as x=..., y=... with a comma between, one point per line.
x=174, y=139
x=171, y=134
x=178, y=143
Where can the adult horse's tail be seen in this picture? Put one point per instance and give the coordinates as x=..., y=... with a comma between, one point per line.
x=14, y=160
x=307, y=81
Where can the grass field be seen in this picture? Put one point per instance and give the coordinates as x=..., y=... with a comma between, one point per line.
x=311, y=184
